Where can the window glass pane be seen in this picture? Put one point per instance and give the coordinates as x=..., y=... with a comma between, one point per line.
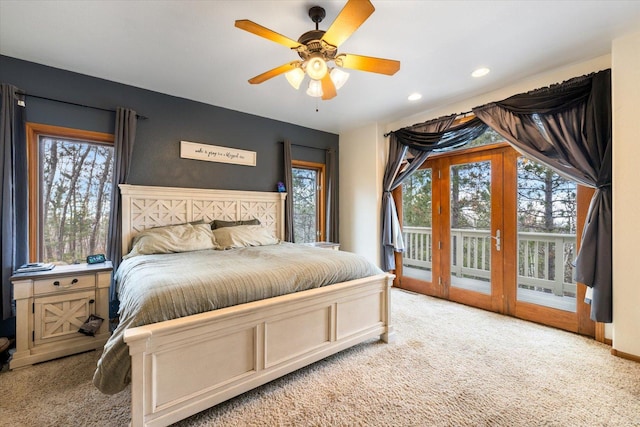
x=305, y=205
x=489, y=136
x=75, y=194
x=547, y=209
x=416, y=225
x=470, y=201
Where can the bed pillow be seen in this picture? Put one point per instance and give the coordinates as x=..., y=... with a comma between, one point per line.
x=242, y=236
x=172, y=238
x=221, y=224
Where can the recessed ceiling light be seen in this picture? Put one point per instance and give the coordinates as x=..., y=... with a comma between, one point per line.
x=480, y=72
x=414, y=97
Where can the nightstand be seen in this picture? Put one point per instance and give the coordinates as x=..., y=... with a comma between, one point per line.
x=324, y=245
x=52, y=305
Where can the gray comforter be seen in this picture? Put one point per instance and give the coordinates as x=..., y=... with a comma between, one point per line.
x=154, y=288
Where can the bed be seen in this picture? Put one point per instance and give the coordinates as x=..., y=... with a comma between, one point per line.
x=183, y=365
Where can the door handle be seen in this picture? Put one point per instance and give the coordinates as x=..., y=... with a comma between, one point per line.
x=497, y=239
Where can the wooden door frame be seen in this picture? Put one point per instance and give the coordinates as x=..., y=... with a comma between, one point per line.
x=580, y=321
x=506, y=303
x=495, y=301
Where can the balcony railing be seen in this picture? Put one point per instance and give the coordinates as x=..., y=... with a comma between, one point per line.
x=545, y=260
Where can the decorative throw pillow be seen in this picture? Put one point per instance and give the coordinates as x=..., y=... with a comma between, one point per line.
x=221, y=224
x=172, y=238
x=242, y=236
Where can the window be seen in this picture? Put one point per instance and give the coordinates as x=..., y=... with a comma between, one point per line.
x=70, y=178
x=308, y=201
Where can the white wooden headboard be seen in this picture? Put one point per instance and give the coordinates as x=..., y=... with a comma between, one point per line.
x=146, y=207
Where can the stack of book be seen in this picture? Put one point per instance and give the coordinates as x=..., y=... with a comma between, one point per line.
x=34, y=266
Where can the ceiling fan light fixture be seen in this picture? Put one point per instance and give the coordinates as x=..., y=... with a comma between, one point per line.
x=316, y=67
x=315, y=88
x=295, y=77
x=338, y=77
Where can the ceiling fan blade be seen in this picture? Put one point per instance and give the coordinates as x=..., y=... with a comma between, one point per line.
x=259, y=30
x=352, y=15
x=274, y=72
x=328, y=88
x=368, y=63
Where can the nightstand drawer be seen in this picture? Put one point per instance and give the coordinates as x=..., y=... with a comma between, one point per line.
x=63, y=283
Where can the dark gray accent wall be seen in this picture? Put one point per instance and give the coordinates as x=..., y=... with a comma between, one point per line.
x=156, y=156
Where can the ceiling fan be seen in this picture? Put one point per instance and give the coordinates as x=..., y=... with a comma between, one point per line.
x=317, y=48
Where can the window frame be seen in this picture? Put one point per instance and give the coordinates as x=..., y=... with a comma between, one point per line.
x=320, y=193
x=33, y=132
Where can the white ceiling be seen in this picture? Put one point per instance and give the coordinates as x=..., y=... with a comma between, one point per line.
x=191, y=49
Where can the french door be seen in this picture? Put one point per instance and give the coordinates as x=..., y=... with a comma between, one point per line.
x=485, y=243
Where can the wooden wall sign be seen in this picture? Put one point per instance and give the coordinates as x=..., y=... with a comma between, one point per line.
x=214, y=153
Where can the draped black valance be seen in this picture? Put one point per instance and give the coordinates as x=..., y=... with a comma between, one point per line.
x=413, y=137
x=557, y=97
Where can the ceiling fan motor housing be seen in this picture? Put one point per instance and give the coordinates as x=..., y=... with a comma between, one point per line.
x=311, y=42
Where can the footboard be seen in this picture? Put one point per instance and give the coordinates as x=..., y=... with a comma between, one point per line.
x=183, y=366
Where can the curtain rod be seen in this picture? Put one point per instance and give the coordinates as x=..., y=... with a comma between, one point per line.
x=308, y=146
x=458, y=117
x=76, y=104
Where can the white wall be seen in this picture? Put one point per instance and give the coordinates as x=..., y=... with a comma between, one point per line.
x=361, y=161
x=625, y=55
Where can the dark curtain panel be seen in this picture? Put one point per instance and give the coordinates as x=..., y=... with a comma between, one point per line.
x=288, y=184
x=124, y=138
x=568, y=128
x=331, y=194
x=419, y=140
x=13, y=170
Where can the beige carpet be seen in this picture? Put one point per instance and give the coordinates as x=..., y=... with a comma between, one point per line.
x=451, y=366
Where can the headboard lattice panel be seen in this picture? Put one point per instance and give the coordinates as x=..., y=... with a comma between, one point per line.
x=146, y=207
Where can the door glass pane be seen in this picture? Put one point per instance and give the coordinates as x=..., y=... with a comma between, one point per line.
x=305, y=205
x=470, y=204
x=546, y=237
x=416, y=225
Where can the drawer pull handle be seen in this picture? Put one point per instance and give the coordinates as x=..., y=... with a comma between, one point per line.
x=73, y=282
x=91, y=301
